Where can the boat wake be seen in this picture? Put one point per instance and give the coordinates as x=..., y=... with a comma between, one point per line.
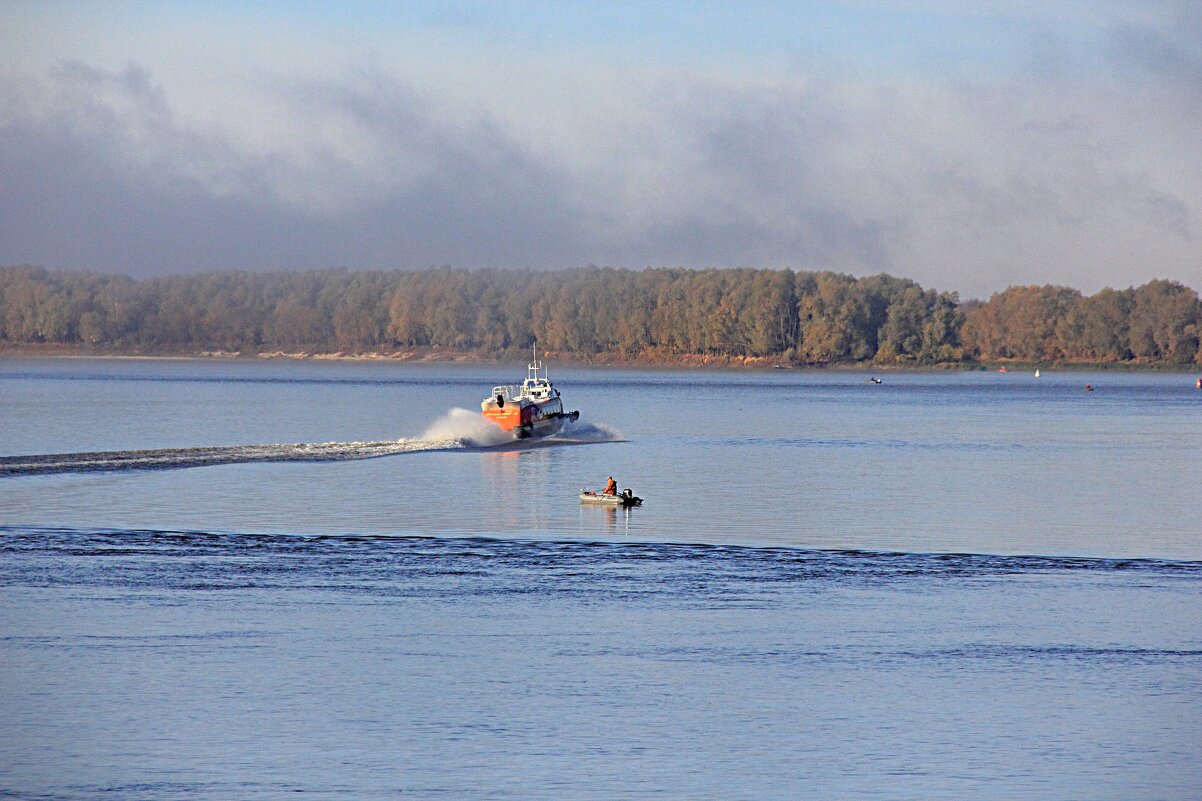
x=459, y=429
x=174, y=458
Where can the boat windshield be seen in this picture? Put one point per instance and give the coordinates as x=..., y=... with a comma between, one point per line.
x=536, y=388
x=508, y=393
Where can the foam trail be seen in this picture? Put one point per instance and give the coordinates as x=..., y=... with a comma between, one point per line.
x=457, y=429
x=175, y=458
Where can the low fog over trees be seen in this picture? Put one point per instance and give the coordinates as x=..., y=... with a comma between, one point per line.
x=786, y=316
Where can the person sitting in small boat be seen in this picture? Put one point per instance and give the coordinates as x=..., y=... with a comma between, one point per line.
x=611, y=487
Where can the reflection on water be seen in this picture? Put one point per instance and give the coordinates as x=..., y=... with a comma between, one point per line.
x=514, y=483
x=615, y=519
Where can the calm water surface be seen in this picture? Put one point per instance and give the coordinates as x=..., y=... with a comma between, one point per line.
x=945, y=586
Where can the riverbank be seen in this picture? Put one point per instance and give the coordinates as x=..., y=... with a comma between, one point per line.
x=432, y=355
x=651, y=359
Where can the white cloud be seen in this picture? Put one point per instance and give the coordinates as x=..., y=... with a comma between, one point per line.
x=400, y=150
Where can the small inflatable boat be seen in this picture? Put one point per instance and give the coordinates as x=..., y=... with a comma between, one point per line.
x=624, y=498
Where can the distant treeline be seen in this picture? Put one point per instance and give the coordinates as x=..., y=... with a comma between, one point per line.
x=781, y=315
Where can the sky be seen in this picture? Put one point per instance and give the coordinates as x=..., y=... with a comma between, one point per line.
x=967, y=145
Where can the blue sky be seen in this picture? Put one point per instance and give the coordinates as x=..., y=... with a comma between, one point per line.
x=967, y=145
x=920, y=36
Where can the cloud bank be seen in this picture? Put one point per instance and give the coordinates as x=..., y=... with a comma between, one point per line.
x=1054, y=168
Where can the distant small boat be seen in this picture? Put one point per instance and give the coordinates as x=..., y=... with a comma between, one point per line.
x=623, y=498
x=1037, y=372
x=874, y=380
x=1089, y=387
x=1003, y=370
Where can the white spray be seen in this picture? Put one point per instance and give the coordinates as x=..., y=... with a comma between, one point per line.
x=470, y=429
x=467, y=428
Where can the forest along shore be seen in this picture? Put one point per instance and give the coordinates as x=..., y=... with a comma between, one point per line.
x=653, y=317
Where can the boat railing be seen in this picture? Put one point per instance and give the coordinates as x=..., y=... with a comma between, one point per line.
x=509, y=393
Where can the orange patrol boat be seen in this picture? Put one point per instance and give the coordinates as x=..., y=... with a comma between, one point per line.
x=533, y=409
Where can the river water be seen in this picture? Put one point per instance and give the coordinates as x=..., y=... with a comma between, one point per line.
x=248, y=580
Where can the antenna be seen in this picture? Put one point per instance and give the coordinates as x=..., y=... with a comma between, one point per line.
x=532, y=369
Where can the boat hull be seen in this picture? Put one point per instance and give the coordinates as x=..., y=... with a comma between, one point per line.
x=545, y=427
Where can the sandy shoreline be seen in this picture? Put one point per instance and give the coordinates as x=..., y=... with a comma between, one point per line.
x=664, y=361
x=431, y=356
